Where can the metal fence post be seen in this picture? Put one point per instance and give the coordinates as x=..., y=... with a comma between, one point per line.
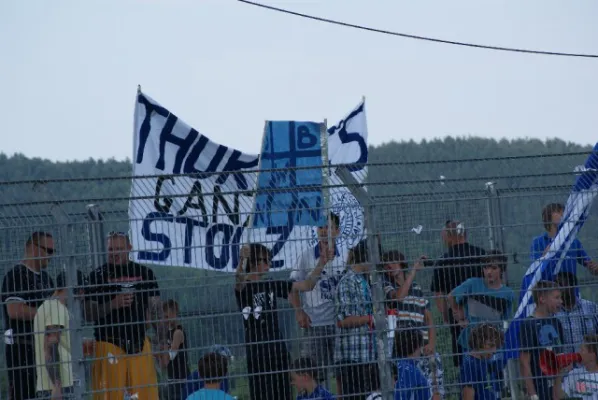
x=378, y=297
x=97, y=243
x=490, y=214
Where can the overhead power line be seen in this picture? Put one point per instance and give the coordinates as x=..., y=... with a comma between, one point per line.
x=408, y=36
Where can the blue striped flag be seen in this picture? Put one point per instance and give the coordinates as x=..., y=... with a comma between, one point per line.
x=548, y=266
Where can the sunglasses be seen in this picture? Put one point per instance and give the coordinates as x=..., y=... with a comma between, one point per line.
x=48, y=250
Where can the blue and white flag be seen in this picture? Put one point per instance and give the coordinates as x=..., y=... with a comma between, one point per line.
x=287, y=196
x=548, y=266
x=191, y=198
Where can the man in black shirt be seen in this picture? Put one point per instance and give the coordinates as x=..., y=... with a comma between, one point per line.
x=24, y=289
x=461, y=262
x=123, y=297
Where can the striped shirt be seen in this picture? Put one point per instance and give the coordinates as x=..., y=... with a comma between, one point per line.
x=411, y=310
x=581, y=320
x=354, y=299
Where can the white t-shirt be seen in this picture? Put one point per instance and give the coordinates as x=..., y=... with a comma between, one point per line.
x=374, y=396
x=319, y=303
x=582, y=384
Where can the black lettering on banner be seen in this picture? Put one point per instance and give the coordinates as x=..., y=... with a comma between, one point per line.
x=227, y=232
x=145, y=128
x=196, y=192
x=184, y=144
x=233, y=214
x=305, y=138
x=348, y=137
x=163, y=208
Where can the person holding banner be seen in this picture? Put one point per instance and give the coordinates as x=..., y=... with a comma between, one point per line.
x=315, y=310
x=267, y=355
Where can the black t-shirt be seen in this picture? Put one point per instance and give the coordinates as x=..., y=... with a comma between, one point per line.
x=23, y=285
x=461, y=262
x=257, y=302
x=124, y=327
x=536, y=335
x=178, y=368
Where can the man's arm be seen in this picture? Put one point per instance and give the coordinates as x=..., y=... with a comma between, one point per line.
x=308, y=284
x=298, y=274
x=52, y=355
x=526, y=372
x=468, y=393
x=178, y=337
x=19, y=310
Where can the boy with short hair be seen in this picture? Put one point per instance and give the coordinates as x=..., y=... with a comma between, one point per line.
x=542, y=330
x=411, y=382
x=212, y=368
x=480, y=376
x=305, y=378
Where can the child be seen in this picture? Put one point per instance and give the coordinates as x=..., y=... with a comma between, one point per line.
x=305, y=379
x=479, y=374
x=411, y=381
x=195, y=382
x=174, y=358
x=581, y=383
x=212, y=368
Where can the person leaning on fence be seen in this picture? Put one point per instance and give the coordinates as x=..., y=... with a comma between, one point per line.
x=481, y=375
x=411, y=382
x=483, y=300
x=406, y=304
x=578, y=317
x=213, y=367
x=121, y=296
x=173, y=355
x=551, y=218
x=315, y=310
x=53, y=342
x=355, y=347
x=267, y=354
x=24, y=289
x=305, y=377
x=580, y=382
x=539, y=332
x=461, y=262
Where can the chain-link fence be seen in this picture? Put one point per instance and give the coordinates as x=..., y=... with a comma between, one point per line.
x=498, y=211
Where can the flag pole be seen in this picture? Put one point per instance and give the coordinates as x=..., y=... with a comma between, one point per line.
x=326, y=180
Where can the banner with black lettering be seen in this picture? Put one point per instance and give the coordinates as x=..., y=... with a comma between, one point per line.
x=186, y=211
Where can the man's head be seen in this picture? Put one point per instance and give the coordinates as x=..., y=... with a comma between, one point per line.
x=259, y=259
x=408, y=342
x=589, y=351
x=119, y=247
x=170, y=309
x=358, y=258
x=335, y=223
x=62, y=284
x=485, y=339
x=39, y=248
x=567, y=282
x=394, y=264
x=495, y=264
x=547, y=297
x=551, y=216
x=212, y=368
x=304, y=375
x=453, y=233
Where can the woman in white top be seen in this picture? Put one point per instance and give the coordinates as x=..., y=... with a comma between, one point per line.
x=581, y=382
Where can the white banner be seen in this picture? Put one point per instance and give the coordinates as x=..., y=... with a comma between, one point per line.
x=198, y=220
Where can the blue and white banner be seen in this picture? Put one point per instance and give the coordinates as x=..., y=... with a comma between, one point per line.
x=548, y=266
x=185, y=211
x=287, y=195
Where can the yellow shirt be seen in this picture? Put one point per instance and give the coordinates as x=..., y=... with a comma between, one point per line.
x=52, y=313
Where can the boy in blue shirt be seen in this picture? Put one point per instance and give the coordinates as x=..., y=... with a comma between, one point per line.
x=212, y=368
x=482, y=300
x=305, y=379
x=411, y=381
x=195, y=382
x=480, y=373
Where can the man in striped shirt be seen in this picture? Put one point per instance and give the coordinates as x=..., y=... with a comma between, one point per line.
x=407, y=306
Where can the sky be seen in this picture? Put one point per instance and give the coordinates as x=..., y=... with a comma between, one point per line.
x=69, y=70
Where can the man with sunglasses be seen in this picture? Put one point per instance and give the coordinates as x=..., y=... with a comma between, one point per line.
x=123, y=298
x=24, y=289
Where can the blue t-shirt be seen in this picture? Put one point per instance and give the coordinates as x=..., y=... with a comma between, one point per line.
x=482, y=304
x=411, y=382
x=575, y=255
x=194, y=383
x=482, y=376
x=319, y=393
x=210, y=394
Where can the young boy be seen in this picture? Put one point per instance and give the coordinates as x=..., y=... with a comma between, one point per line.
x=305, y=379
x=581, y=383
x=212, y=368
x=480, y=300
x=411, y=382
x=406, y=304
x=174, y=356
x=480, y=376
x=195, y=382
x=540, y=331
